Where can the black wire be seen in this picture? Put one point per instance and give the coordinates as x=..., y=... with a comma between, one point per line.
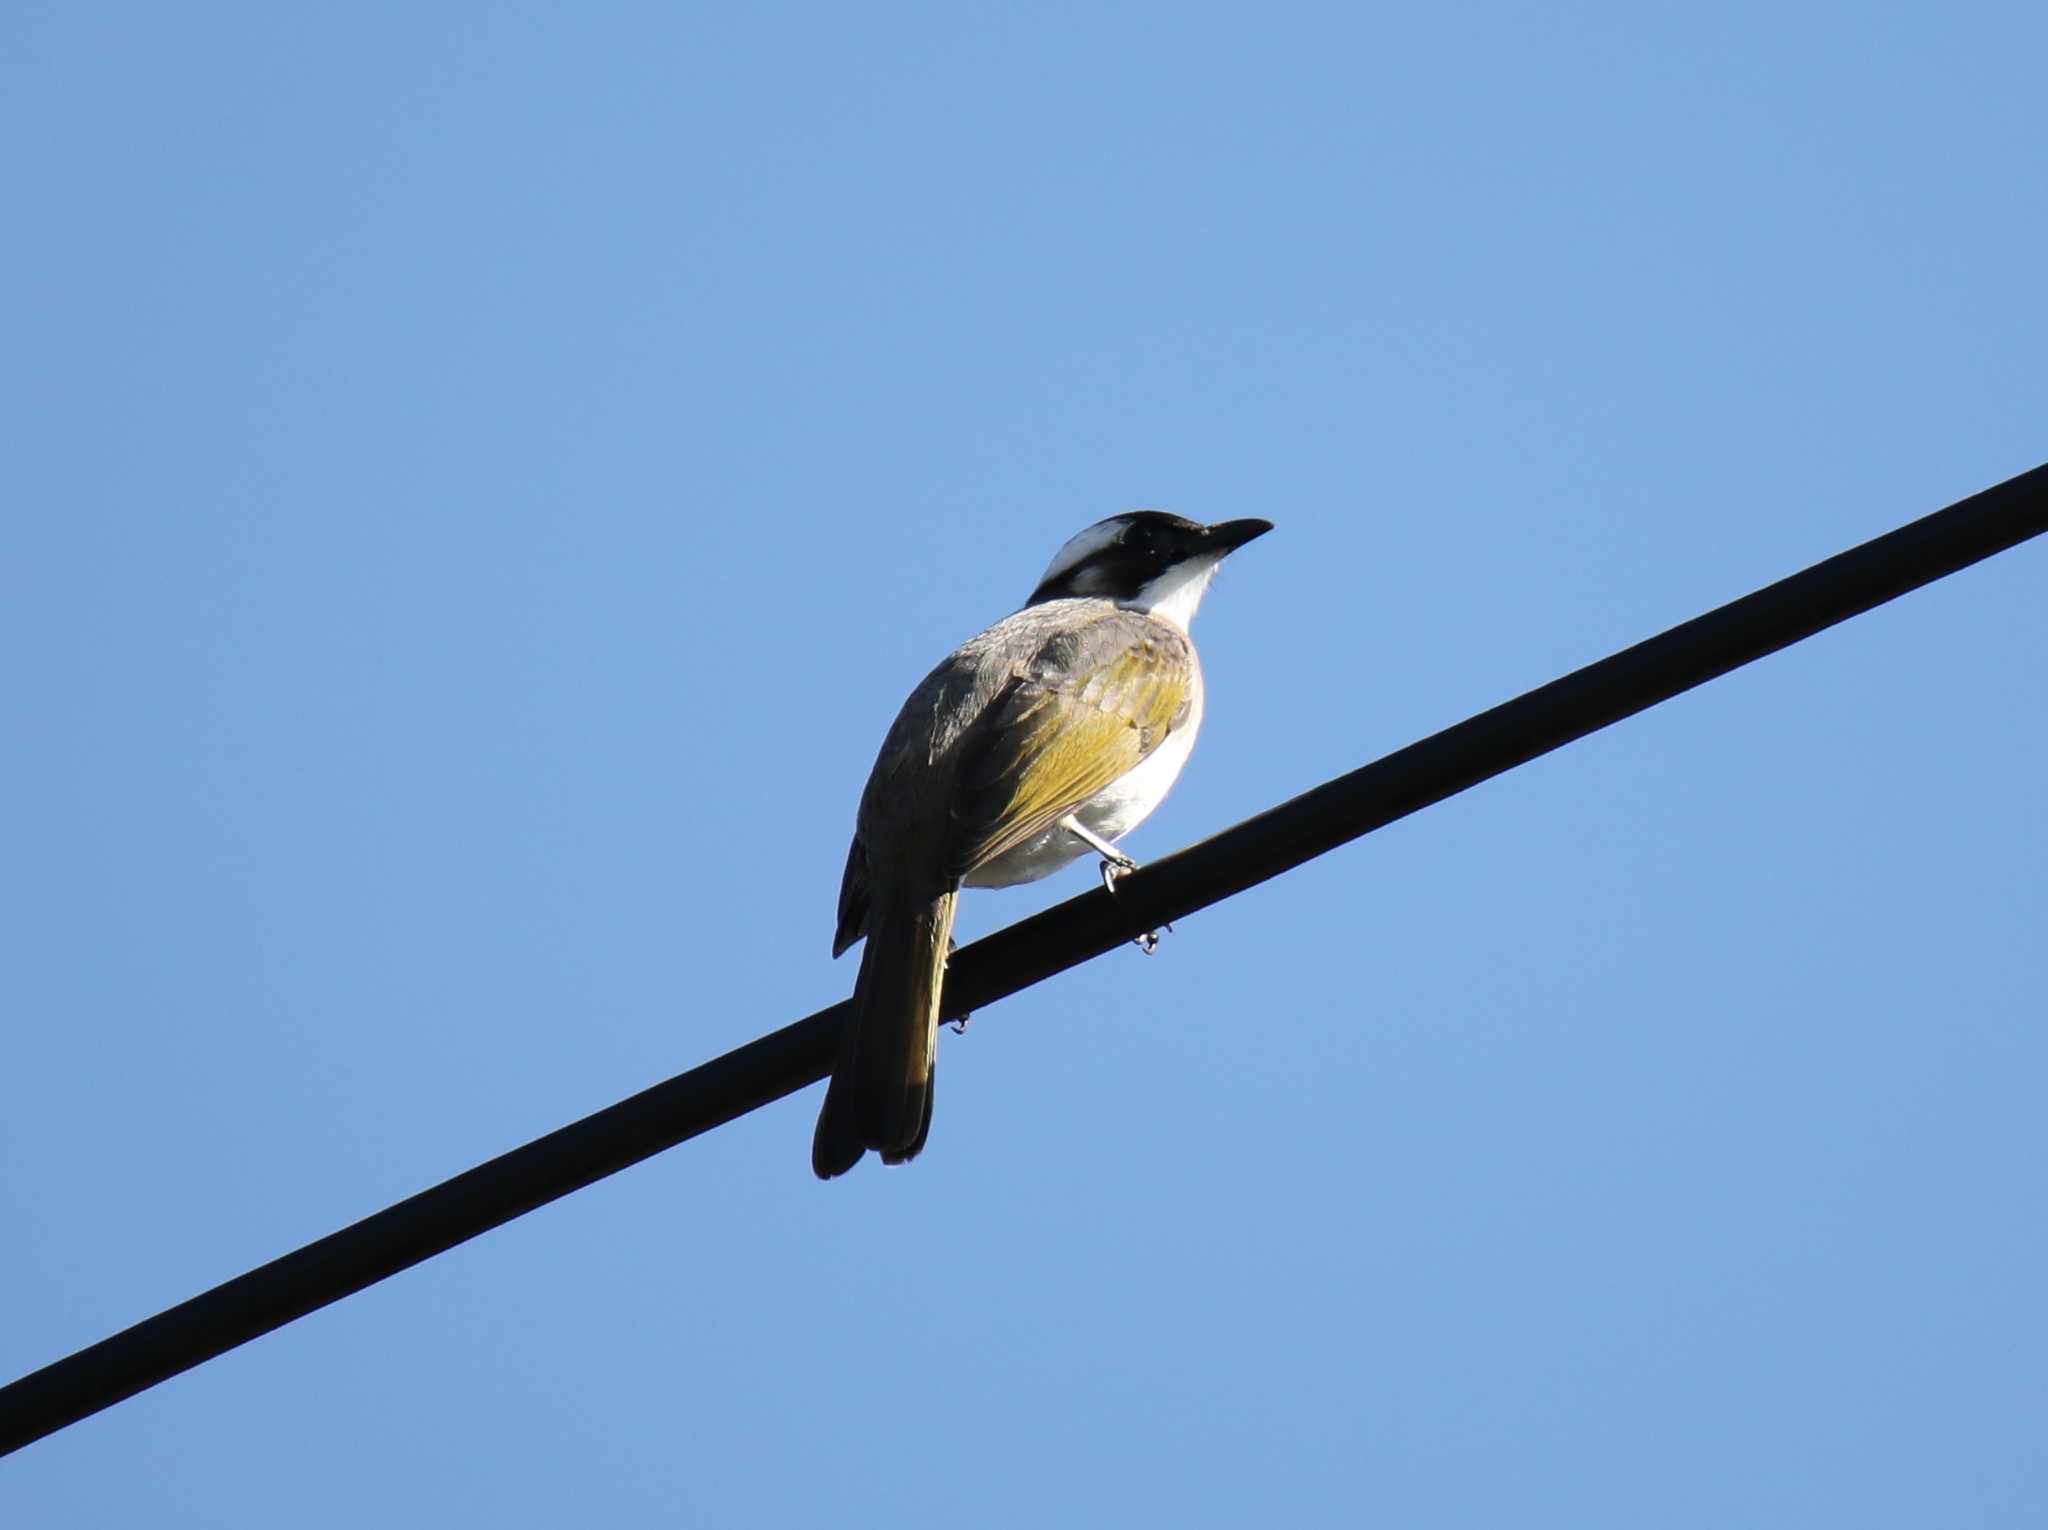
x=1026, y=953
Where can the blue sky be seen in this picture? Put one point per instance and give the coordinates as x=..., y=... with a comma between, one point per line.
x=478, y=481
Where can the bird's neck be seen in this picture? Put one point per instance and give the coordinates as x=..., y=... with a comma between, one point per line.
x=1175, y=594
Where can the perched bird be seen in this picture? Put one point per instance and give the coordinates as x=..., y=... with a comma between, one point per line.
x=1053, y=733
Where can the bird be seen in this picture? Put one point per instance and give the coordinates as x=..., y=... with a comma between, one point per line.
x=1049, y=735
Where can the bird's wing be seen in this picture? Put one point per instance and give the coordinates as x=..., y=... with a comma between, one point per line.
x=1084, y=709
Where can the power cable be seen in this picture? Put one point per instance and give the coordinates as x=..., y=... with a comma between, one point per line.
x=1028, y=952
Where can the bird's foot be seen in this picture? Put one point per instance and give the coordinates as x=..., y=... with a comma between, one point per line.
x=958, y=1022
x=1114, y=864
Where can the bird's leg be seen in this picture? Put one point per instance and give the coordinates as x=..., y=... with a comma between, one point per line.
x=1114, y=864
x=1111, y=856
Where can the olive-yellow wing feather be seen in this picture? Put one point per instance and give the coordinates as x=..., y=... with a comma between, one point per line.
x=1086, y=709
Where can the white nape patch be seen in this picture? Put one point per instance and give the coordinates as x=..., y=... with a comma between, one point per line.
x=1174, y=595
x=1083, y=545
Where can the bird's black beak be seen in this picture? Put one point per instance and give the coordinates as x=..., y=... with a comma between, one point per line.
x=1228, y=536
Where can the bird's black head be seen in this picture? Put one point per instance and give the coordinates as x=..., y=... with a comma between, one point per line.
x=1143, y=558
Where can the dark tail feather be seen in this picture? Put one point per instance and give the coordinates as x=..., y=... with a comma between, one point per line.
x=880, y=1096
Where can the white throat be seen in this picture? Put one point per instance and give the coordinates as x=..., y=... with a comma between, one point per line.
x=1174, y=595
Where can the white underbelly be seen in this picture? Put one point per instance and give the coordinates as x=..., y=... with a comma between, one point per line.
x=1111, y=813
